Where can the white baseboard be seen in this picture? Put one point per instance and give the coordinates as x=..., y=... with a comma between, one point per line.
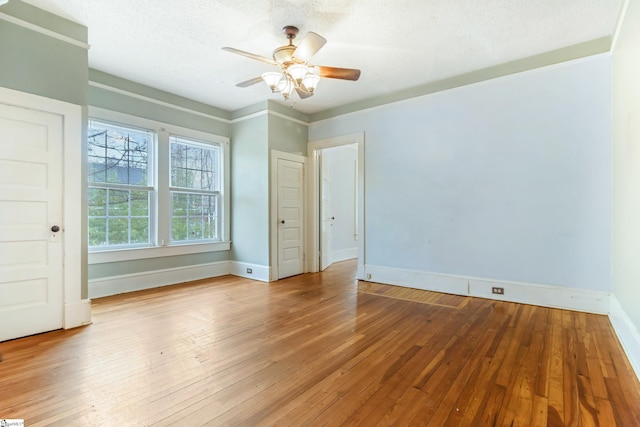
x=627, y=333
x=344, y=254
x=525, y=293
x=77, y=314
x=258, y=272
x=416, y=279
x=543, y=295
x=152, y=279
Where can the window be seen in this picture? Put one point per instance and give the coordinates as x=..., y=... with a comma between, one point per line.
x=194, y=190
x=119, y=190
x=154, y=189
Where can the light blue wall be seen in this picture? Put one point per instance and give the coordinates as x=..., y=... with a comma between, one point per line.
x=253, y=139
x=505, y=179
x=250, y=191
x=288, y=135
x=626, y=166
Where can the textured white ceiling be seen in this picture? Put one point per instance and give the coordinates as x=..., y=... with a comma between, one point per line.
x=176, y=45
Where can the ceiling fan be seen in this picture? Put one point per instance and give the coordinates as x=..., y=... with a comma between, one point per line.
x=295, y=71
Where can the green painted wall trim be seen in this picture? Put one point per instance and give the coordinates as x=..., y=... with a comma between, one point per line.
x=103, y=78
x=114, y=101
x=569, y=53
x=44, y=19
x=249, y=109
x=287, y=111
x=267, y=106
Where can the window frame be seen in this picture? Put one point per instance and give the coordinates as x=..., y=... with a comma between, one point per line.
x=176, y=189
x=160, y=209
x=149, y=187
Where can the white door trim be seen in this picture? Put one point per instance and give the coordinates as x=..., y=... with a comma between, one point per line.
x=273, y=210
x=77, y=310
x=313, y=194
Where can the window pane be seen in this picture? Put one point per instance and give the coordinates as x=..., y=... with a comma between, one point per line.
x=195, y=204
x=118, y=231
x=179, y=229
x=118, y=217
x=194, y=158
x=118, y=203
x=139, y=230
x=209, y=230
x=97, y=202
x=117, y=154
x=140, y=203
x=193, y=165
x=194, y=216
x=209, y=206
x=179, y=204
x=195, y=229
x=97, y=231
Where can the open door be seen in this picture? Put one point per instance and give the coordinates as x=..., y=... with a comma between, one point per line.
x=326, y=210
x=315, y=219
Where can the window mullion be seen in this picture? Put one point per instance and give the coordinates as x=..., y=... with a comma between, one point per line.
x=164, y=196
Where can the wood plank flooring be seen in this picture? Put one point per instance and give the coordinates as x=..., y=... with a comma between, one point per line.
x=319, y=349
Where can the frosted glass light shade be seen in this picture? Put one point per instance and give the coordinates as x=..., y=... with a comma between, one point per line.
x=285, y=87
x=272, y=79
x=298, y=71
x=310, y=82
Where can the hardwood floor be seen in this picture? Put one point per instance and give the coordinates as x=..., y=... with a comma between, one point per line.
x=319, y=349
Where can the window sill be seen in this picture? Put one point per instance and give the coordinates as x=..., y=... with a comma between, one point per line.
x=115, y=255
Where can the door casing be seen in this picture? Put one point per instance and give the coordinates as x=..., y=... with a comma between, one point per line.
x=313, y=194
x=76, y=310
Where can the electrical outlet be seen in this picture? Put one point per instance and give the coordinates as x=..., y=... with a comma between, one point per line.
x=498, y=291
x=249, y=271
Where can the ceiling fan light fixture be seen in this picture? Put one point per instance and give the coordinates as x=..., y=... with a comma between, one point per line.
x=285, y=87
x=295, y=74
x=310, y=82
x=298, y=72
x=272, y=79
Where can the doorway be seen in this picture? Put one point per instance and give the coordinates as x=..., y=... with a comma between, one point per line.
x=338, y=204
x=315, y=202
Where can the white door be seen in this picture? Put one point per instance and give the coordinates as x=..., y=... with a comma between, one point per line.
x=31, y=286
x=290, y=218
x=326, y=212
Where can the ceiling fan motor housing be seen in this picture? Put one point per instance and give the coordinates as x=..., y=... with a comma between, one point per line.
x=284, y=54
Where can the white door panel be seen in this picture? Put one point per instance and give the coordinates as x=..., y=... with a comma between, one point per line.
x=290, y=218
x=326, y=209
x=31, y=287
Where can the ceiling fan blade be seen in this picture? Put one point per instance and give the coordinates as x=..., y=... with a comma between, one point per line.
x=338, y=73
x=308, y=47
x=302, y=94
x=250, y=82
x=250, y=55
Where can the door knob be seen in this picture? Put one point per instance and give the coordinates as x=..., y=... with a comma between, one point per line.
x=282, y=222
x=55, y=228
